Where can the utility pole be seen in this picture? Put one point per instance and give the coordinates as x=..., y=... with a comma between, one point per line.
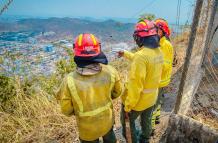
x=5, y=6
x=192, y=38
x=192, y=46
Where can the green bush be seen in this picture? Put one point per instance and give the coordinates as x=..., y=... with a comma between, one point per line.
x=66, y=66
x=7, y=89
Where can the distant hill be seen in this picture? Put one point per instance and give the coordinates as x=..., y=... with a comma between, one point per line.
x=109, y=30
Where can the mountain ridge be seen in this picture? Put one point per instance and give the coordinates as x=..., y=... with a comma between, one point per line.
x=71, y=27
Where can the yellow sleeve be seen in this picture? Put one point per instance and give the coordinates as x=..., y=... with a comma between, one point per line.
x=65, y=99
x=118, y=88
x=128, y=55
x=167, y=50
x=135, y=83
x=168, y=59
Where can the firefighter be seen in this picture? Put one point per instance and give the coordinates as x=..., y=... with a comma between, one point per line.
x=168, y=52
x=87, y=92
x=144, y=78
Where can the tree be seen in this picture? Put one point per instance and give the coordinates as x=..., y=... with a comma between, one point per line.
x=148, y=16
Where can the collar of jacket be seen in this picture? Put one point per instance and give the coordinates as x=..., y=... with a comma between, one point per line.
x=151, y=42
x=84, y=61
x=162, y=40
x=139, y=49
x=91, y=69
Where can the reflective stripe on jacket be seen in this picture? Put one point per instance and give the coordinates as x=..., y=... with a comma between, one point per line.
x=144, y=79
x=89, y=98
x=167, y=50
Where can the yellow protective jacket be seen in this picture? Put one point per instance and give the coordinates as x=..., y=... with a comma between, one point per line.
x=89, y=98
x=167, y=50
x=144, y=78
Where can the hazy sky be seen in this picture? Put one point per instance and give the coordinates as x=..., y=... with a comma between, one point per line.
x=101, y=8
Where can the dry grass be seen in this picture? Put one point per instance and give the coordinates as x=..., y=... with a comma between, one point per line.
x=181, y=39
x=36, y=119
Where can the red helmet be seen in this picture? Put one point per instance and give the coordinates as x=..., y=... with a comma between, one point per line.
x=145, y=28
x=86, y=45
x=163, y=25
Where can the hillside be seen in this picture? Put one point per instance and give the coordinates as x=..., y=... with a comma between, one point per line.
x=106, y=30
x=32, y=114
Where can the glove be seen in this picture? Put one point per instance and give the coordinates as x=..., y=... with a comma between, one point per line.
x=120, y=53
